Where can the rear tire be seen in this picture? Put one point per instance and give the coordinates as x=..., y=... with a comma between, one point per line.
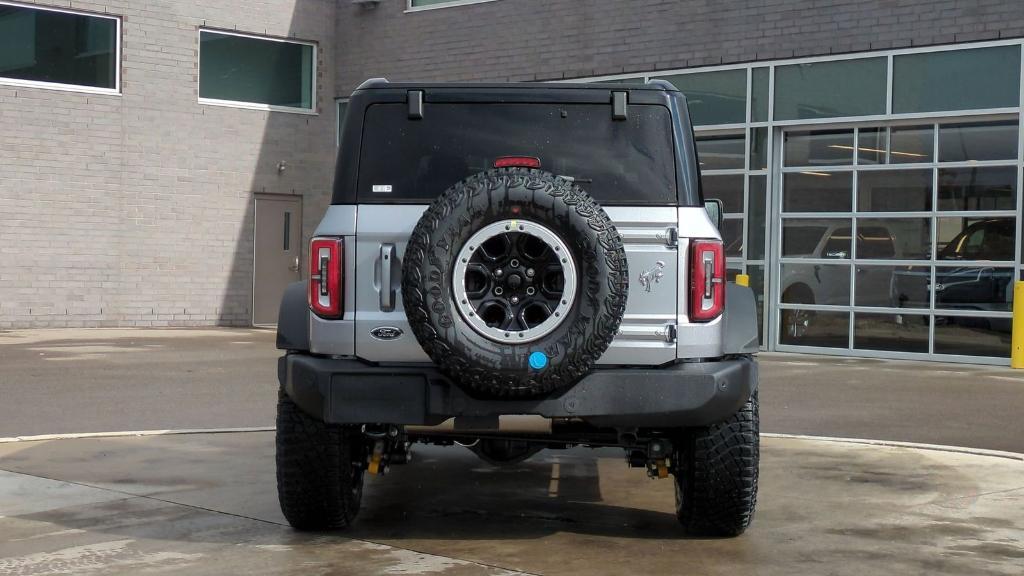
x=716, y=475
x=796, y=322
x=319, y=469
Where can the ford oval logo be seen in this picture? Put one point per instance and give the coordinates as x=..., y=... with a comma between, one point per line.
x=386, y=333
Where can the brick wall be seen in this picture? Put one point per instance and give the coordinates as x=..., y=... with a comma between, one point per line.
x=137, y=209
x=521, y=40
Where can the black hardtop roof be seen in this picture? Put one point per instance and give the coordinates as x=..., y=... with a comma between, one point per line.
x=380, y=90
x=377, y=83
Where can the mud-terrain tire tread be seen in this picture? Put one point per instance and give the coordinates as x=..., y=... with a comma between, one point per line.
x=431, y=241
x=716, y=483
x=318, y=486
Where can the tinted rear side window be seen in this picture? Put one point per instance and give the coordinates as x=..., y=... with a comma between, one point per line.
x=619, y=162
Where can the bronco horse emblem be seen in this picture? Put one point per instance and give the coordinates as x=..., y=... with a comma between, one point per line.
x=652, y=276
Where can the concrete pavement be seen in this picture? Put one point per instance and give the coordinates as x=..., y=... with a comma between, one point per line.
x=62, y=381
x=96, y=380
x=206, y=504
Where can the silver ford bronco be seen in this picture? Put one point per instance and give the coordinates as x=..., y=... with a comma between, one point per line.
x=514, y=267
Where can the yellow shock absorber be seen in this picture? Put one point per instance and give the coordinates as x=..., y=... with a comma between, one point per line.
x=376, y=458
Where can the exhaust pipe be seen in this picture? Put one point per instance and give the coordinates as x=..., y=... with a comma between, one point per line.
x=507, y=424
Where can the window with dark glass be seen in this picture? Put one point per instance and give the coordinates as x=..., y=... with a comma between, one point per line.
x=619, y=163
x=250, y=70
x=801, y=237
x=978, y=141
x=956, y=80
x=907, y=333
x=718, y=97
x=818, y=147
x=728, y=188
x=756, y=211
x=875, y=242
x=759, y=95
x=894, y=190
x=758, y=148
x=721, y=152
x=813, y=191
x=977, y=239
x=911, y=144
x=838, y=244
x=901, y=238
x=732, y=237
x=58, y=47
x=981, y=188
x=830, y=89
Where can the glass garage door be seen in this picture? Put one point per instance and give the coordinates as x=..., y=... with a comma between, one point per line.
x=897, y=240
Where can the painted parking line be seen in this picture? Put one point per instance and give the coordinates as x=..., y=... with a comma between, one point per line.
x=866, y=441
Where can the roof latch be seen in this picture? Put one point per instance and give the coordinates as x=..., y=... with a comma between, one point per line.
x=415, y=98
x=619, y=101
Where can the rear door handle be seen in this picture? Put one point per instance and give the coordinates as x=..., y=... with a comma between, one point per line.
x=387, y=294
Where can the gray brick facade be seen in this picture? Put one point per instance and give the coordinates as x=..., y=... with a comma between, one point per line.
x=137, y=209
x=523, y=40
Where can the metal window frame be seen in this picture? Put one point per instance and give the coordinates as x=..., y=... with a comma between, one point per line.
x=932, y=311
x=115, y=91
x=450, y=4
x=312, y=111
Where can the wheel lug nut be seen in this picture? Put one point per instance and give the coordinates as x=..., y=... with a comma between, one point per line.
x=498, y=291
x=514, y=300
x=499, y=272
x=530, y=272
x=531, y=291
x=514, y=263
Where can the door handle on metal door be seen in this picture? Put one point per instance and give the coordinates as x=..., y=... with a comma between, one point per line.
x=295, y=267
x=387, y=294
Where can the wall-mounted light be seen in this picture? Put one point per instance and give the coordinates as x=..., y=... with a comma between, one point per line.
x=281, y=167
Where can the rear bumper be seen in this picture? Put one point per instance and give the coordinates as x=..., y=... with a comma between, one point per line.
x=680, y=395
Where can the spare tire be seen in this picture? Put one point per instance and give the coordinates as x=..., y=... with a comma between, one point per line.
x=515, y=282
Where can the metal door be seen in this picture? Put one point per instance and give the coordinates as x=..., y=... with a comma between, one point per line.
x=278, y=253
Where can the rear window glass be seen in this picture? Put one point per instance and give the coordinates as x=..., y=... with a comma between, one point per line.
x=618, y=162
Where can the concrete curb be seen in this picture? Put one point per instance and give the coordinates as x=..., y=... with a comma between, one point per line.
x=898, y=444
x=864, y=441
x=75, y=436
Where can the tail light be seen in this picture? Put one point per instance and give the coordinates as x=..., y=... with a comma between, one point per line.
x=326, y=260
x=707, y=280
x=517, y=162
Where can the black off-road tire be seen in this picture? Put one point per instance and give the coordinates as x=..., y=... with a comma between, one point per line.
x=319, y=471
x=501, y=369
x=716, y=475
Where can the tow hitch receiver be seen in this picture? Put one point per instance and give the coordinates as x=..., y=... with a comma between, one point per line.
x=387, y=446
x=655, y=456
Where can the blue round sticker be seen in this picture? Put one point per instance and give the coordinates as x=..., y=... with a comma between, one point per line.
x=538, y=360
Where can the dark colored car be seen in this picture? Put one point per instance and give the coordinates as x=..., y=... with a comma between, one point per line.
x=980, y=286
